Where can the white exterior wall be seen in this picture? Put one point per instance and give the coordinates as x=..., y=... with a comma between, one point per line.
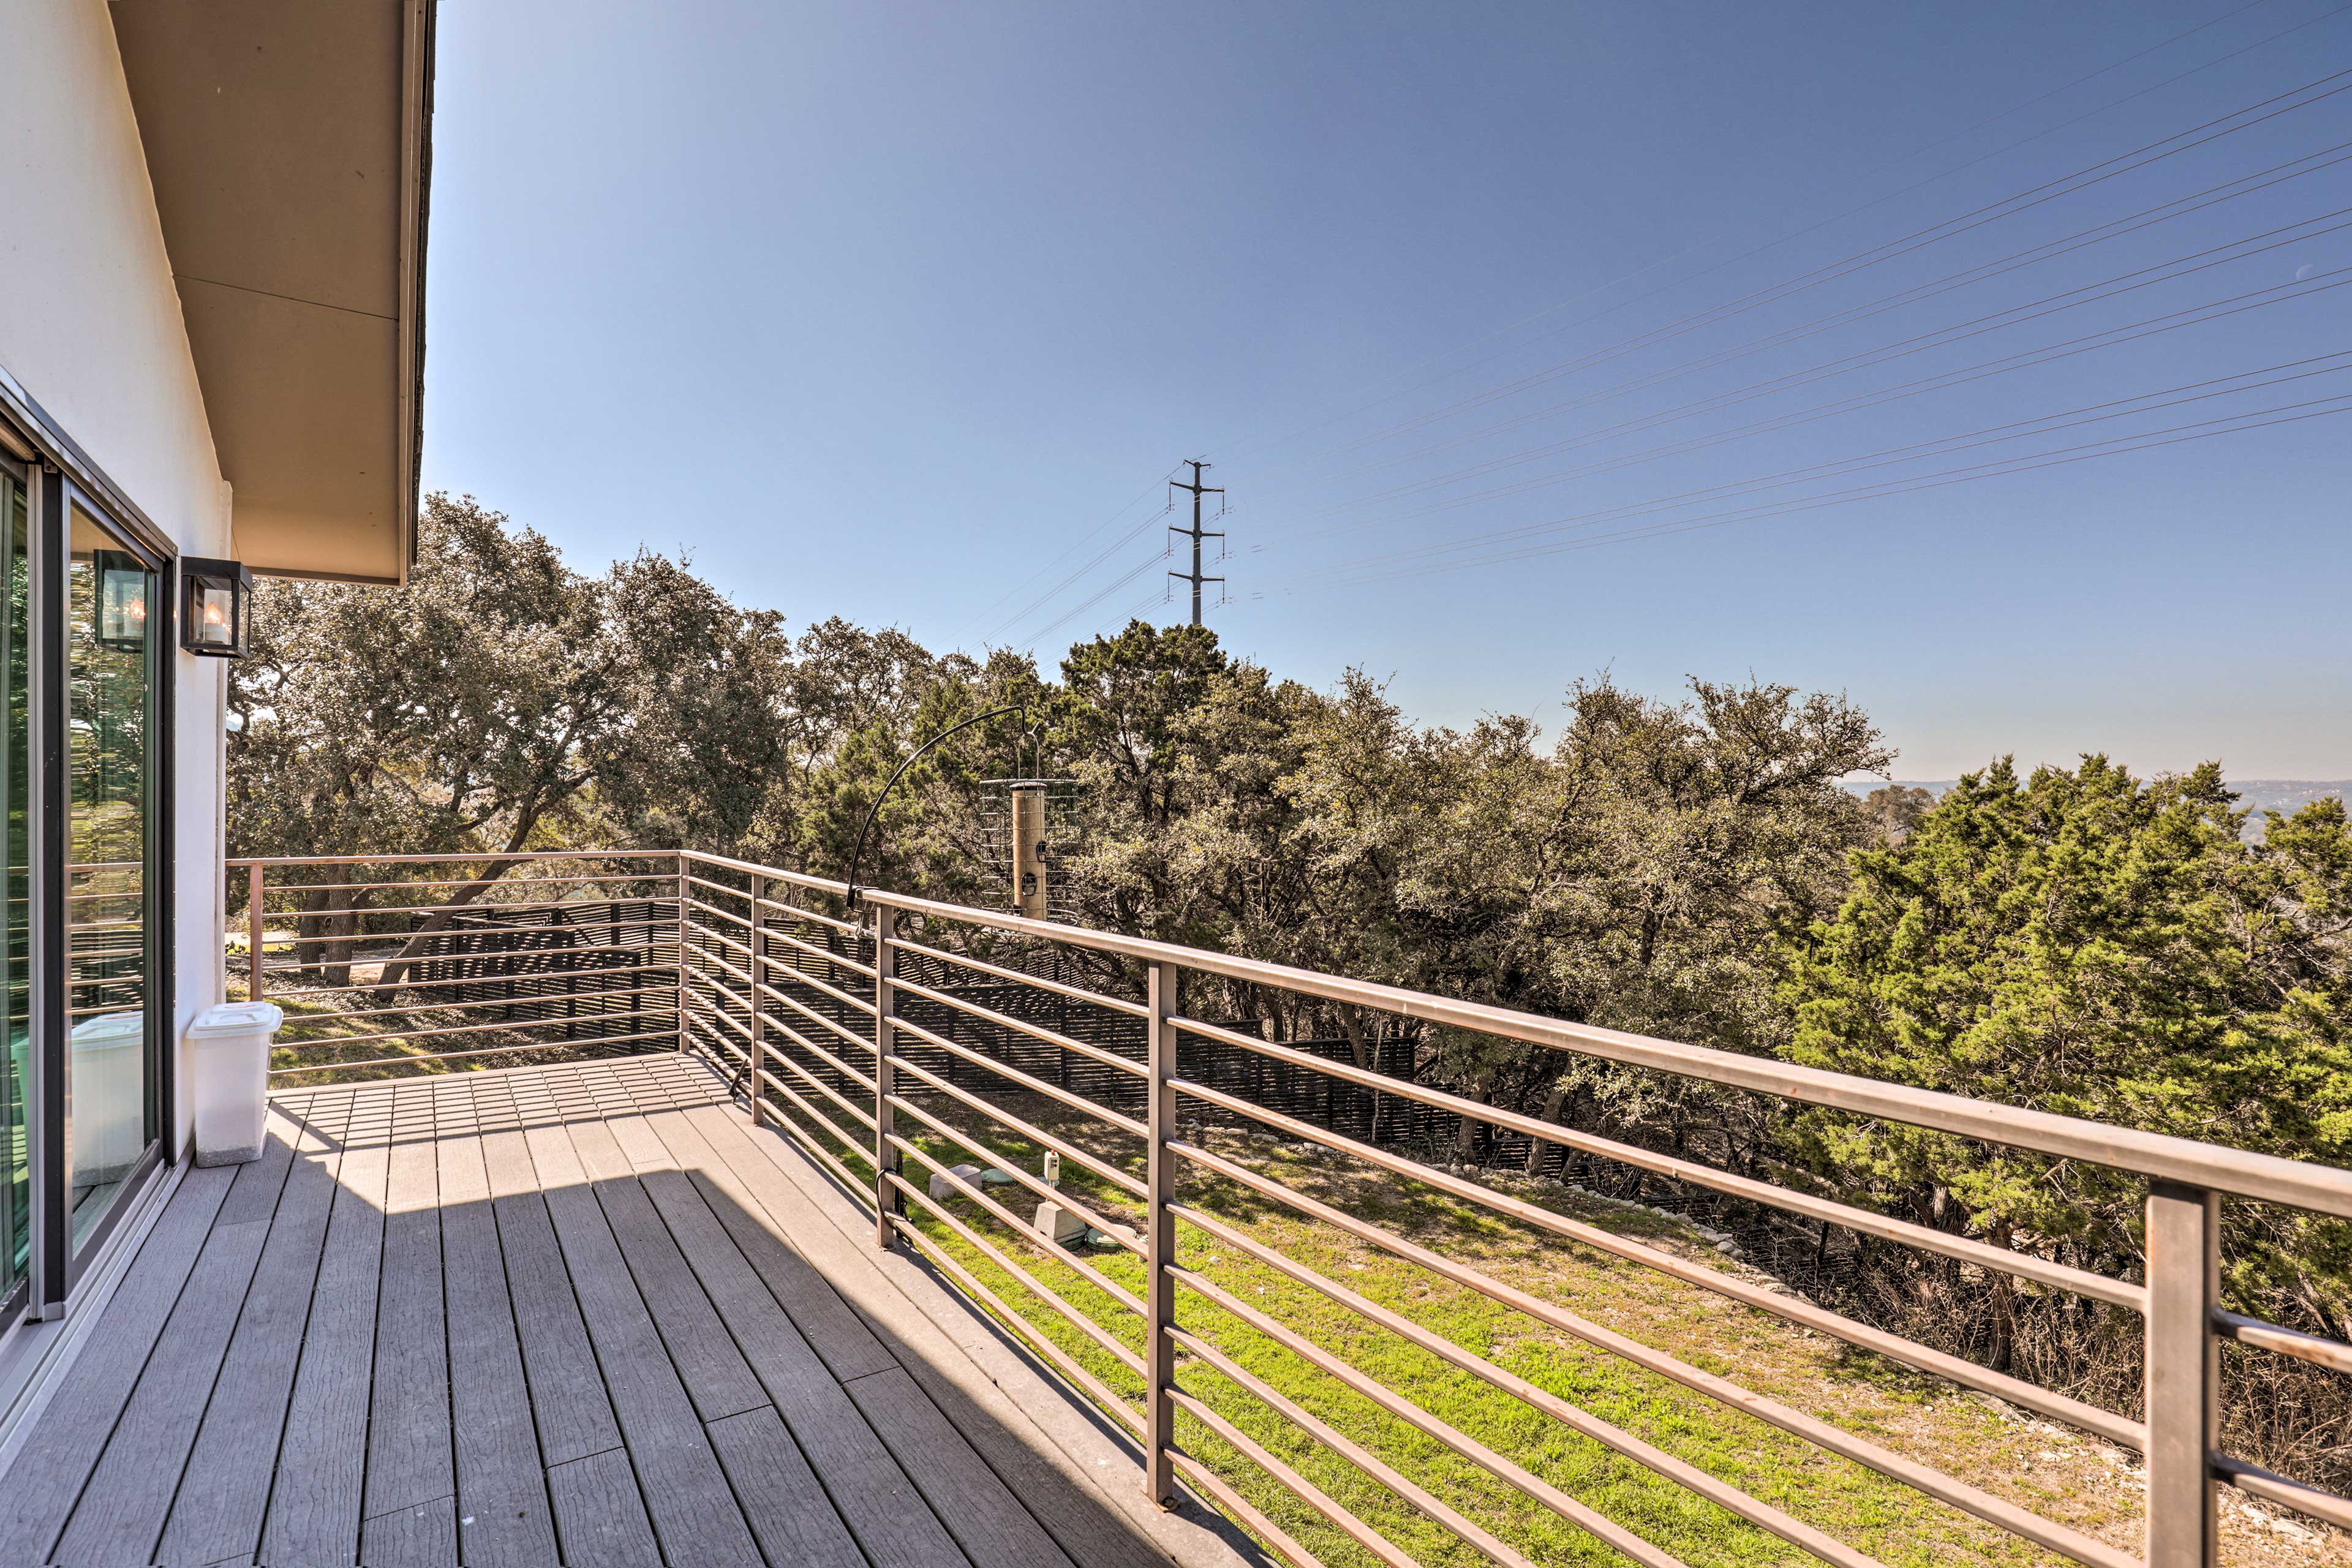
x=91, y=328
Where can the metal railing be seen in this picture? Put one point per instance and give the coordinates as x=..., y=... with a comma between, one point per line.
x=390, y=962
x=861, y=1035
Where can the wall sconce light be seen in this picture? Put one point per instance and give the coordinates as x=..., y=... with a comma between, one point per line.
x=215, y=598
x=121, y=600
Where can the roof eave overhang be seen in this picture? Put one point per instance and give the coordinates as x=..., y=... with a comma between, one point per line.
x=289, y=145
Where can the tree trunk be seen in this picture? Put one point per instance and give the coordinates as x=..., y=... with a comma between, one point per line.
x=387, y=986
x=1465, y=1133
x=1536, y=1146
x=342, y=924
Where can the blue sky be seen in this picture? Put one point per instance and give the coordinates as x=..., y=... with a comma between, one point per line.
x=884, y=311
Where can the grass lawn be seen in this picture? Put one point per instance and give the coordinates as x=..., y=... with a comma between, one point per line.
x=2076, y=1481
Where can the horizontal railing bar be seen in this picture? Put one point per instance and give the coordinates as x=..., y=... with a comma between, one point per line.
x=812, y=1014
x=292, y=1018
x=863, y=1191
x=1127, y=1124
x=857, y=1113
x=747, y=1003
x=772, y=873
x=721, y=1014
x=1507, y=1471
x=1820, y=1320
x=2265, y=1177
x=2316, y=1349
x=1240, y=1508
x=828, y=1122
x=1493, y=1547
x=2285, y=1490
x=487, y=1051
x=1027, y=1231
x=1299, y=1486
x=361, y=911
x=718, y=888
x=805, y=978
x=828, y=1057
x=2018, y=1522
x=823, y=955
x=664, y=878
x=997, y=1113
x=1075, y=993
x=115, y=1010
x=485, y=856
x=1035, y=1031
x=795, y=911
x=2058, y=1275
x=1577, y=1419
x=289, y=940
x=1071, y=1315
x=970, y=1143
x=405, y=985
x=286, y=1045
x=1099, y=1392
x=717, y=913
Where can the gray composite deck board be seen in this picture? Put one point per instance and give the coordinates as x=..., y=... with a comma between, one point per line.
x=123, y=1508
x=223, y=1495
x=46, y=1479
x=316, y=1493
x=883, y=1508
x=990, y=1524
x=409, y=1459
x=707, y=1363
x=686, y=1496
x=567, y=1391
x=599, y=1515
x=785, y=1503
x=570, y=1314
x=420, y=1535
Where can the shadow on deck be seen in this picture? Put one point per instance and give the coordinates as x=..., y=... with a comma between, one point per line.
x=581, y=1314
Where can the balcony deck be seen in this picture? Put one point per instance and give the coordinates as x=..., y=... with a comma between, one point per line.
x=581, y=1313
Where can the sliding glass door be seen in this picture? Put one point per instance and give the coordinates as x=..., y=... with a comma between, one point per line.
x=16, y=1099
x=111, y=1102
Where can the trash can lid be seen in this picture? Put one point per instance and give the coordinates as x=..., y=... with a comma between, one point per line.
x=111, y=1028
x=236, y=1019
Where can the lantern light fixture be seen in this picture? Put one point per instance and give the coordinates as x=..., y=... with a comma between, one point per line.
x=215, y=604
x=121, y=600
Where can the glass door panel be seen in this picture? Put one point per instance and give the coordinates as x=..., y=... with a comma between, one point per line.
x=109, y=731
x=16, y=947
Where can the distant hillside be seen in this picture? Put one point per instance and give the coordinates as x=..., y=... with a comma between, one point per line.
x=2284, y=795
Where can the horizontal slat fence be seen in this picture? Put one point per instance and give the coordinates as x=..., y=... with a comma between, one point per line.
x=930, y=1055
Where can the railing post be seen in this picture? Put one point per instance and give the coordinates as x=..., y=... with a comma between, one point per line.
x=681, y=954
x=2183, y=1373
x=758, y=972
x=1160, y=1254
x=887, y=1203
x=253, y=932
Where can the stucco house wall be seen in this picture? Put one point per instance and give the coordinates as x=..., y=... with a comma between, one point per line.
x=90, y=329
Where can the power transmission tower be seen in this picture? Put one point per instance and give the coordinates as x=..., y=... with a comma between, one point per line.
x=1194, y=533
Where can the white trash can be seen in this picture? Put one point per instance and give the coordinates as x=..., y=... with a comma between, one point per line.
x=228, y=1050
x=109, y=1096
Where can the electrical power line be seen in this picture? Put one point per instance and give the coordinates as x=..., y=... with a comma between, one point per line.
x=1874, y=492
x=2195, y=315
x=2049, y=190
x=1799, y=234
x=2083, y=239
x=2014, y=430
x=1141, y=496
